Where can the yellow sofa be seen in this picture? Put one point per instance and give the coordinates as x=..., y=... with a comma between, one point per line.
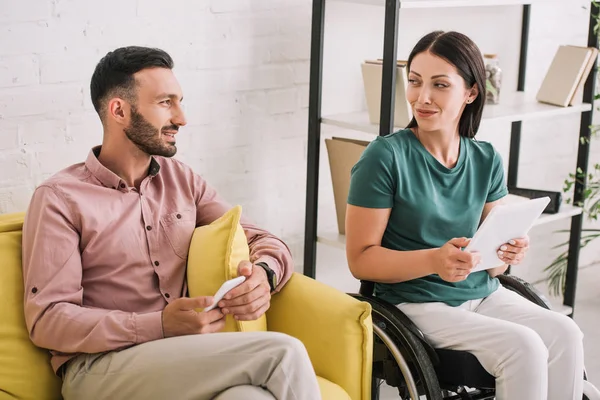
x=335, y=328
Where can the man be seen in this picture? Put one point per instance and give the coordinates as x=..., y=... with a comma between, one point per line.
x=104, y=256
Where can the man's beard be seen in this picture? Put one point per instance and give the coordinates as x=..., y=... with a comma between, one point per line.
x=147, y=138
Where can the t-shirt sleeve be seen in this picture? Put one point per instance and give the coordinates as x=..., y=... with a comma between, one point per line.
x=372, y=183
x=498, y=188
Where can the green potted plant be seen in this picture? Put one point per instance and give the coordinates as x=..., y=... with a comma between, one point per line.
x=557, y=270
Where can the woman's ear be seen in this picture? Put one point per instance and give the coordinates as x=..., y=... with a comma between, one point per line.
x=473, y=93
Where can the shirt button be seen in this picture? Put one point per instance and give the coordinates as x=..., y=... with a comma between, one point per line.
x=148, y=228
x=178, y=216
x=167, y=295
x=156, y=263
x=34, y=290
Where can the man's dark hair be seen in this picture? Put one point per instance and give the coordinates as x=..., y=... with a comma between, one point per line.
x=460, y=51
x=114, y=73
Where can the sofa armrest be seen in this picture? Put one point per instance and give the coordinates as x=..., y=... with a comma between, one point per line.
x=335, y=328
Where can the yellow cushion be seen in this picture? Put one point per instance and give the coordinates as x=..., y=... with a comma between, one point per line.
x=25, y=371
x=331, y=391
x=215, y=253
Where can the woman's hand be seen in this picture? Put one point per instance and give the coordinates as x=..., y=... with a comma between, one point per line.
x=513, y=252
x=454, y=264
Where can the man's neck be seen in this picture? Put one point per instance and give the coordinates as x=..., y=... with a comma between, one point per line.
x=126, y=160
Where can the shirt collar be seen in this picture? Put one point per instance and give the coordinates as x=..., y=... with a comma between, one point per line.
x=106, y=176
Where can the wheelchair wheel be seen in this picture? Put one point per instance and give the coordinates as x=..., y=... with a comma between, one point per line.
x=399, y=358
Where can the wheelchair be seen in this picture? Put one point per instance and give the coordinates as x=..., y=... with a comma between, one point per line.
x=402, y=357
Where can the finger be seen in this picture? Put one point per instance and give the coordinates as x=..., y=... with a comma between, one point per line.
x=249, y=285
x=475, y=259
x=511, y=258
x=213, y=327
x=504, y=255
x=519, y=242
x=466, y=256
x=245, y=298
x=513, y=261
x=245, y=268
x=462, y=268
x=248, y=308
x=208, y=317
x=191, y=303
x=462, y=272
x=507, y=248
x=255, y=315
x=459, y=242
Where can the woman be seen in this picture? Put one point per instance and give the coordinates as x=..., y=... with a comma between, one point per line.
x=415, y=198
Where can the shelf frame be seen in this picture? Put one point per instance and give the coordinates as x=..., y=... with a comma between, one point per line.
x=386, y=123
x=583, y=158
x=424, y=4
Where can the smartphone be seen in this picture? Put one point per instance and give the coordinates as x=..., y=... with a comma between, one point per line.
x=224, y=289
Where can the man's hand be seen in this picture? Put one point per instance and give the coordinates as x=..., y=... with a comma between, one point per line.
x=513, y=252
x=252, y=298
x=180, y=317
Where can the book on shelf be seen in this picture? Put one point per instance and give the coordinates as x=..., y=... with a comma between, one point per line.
x=566, y=75
x=372, y=72
x=588, y=68
x=343, y=153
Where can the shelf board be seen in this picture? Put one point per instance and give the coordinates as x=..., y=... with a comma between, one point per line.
x=518, y=107
x=566, y=211
x=446, y=3
x=334, y=239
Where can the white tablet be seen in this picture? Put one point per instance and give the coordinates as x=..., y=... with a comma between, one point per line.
x=503, y=223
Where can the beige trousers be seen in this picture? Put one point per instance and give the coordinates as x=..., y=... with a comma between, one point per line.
x=222, y=366
x=534, y=353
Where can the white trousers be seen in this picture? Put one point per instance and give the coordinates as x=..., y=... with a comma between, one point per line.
x=534, y=353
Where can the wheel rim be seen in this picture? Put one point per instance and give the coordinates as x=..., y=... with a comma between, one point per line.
x=402, y=364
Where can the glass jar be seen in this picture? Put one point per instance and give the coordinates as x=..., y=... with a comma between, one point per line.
x=493, y=81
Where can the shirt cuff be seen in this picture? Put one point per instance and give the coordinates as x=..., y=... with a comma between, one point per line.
x=148, y=327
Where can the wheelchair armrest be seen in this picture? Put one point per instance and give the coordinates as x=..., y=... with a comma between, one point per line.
x=525, y=289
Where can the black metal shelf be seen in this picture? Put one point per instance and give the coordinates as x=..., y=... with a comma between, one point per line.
x=386, y=123
x=412, y=4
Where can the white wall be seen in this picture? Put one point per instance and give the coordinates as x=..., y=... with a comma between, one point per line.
x=244, y=65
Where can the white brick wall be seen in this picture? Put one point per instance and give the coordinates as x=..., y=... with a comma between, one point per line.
x=243, y=65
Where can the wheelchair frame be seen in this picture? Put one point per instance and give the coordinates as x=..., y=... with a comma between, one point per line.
x=404, y=359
